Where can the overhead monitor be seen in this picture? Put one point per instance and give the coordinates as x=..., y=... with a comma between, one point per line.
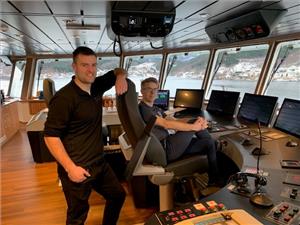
x=223, y=103
x=189, y=98
x=162, y=100
x=257, y=107
x=288, y=117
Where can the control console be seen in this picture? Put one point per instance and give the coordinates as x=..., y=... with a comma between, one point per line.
x=174, y=216
x=285, y=213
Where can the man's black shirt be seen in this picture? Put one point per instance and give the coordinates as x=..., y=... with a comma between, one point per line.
x=76, y=118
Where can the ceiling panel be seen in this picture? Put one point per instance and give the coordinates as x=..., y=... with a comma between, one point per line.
x=41, y=25
x=30, y=6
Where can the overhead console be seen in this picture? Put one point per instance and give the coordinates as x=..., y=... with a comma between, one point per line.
x=255, y=24
x=141, y=19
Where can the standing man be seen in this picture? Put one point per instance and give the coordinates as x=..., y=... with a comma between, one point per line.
x=182, y=142
x=73, y=134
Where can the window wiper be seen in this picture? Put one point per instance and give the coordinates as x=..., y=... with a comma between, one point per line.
x=128, y=64
x=170, y=66
x=275, y=69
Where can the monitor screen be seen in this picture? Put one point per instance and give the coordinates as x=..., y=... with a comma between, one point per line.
x=288, y=117
x=162, y=100
x=223, y=102
x=189, y=98
x=257, y=107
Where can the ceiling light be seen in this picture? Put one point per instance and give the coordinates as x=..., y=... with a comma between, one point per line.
x=77, y=26
x=192, y=40
x=203, y=15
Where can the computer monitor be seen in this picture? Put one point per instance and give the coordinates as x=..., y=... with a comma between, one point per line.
x=288, y=117
x=189, y=98
x=257, y=108
x=162, y=100
x=223, y=103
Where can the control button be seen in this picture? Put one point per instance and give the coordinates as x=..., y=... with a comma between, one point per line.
x=287, y=218
x=221, y=206
x=183, y=217
x=296, y=210
x=293, y=195
x=286, y=206
x=175, y=219
x=187, y=210
x=179, y=212
x=282, y=209
x=277, y=213
x=171, y=213
x=291, y=214
x=192, y=215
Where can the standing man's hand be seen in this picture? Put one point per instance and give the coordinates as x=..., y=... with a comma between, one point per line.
x=77, y=174
x=121, y=83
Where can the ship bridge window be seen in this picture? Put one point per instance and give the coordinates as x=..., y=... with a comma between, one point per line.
x=5, y=71
x=142, y=67
x=59, y=70
x=284, y=74
x=18, y=78
x=237, y=69
x=105, y=64
x=185, y=70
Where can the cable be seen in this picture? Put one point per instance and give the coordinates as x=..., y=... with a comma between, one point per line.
x=120, y=45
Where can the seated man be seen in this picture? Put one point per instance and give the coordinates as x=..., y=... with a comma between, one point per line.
x=182, y=142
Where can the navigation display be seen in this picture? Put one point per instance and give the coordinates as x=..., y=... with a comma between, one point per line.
x=257, y=107
x=223, y=102
x=162, y=100
x=288, y=119
x=189, y=98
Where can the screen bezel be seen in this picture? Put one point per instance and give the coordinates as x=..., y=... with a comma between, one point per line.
x=258, y=96
x=168, y=97
x=233, y=94
x=193, y=90
x=281, y=129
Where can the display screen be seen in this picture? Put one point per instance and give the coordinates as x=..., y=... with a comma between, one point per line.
x=288, y=119
x=189, y=98
x=162, y=100
x=257, y=108
x=223, y=102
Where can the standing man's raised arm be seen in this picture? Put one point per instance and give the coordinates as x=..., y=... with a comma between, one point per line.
x=121, y=83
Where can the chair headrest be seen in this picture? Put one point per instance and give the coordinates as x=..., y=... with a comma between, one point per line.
x=134, y=125
x=48, y=90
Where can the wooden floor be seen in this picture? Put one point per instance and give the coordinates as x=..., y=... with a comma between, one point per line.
x=30, y=193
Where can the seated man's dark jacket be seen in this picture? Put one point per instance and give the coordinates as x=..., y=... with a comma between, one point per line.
x=76, y=118
x=147, y=113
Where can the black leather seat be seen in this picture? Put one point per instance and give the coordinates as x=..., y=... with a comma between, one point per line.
x=48, y=90
x=145, y=153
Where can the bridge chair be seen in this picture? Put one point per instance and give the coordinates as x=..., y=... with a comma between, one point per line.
x=48, y=90
x=145, y=153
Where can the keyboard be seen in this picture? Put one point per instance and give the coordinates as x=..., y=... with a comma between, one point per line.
x=188, y=113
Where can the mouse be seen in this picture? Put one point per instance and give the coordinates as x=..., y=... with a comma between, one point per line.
x=247, y=142
x=291, y=143
x=255, y=151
